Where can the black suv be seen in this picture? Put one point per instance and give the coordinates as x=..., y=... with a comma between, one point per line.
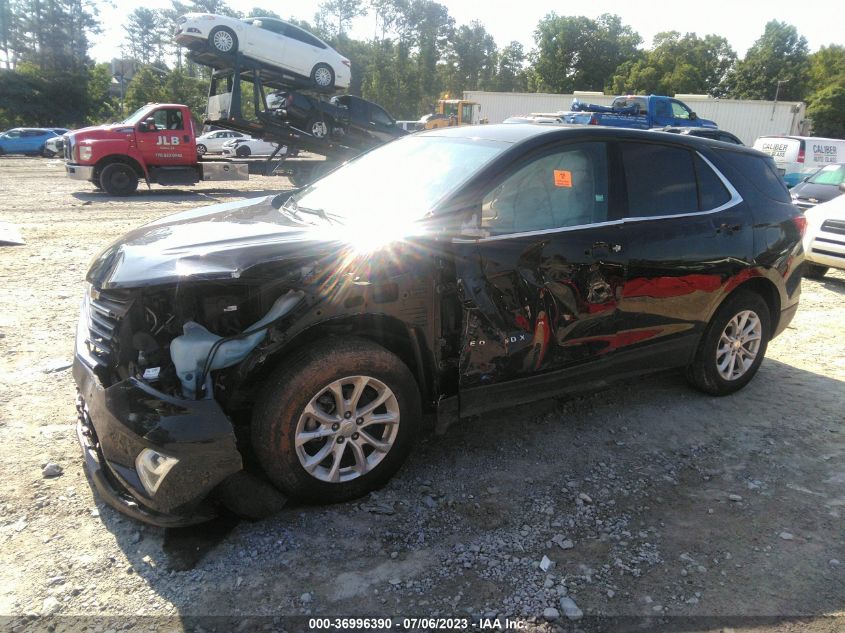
x=449, y=272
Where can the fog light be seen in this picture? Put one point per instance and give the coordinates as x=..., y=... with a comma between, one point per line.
x=152, y=468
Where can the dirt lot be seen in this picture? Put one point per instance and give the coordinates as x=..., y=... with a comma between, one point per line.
x=650, y=500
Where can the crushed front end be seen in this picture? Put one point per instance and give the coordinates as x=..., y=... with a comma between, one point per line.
x=155, y=444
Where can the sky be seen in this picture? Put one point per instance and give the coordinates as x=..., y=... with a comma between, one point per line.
x=741, y=22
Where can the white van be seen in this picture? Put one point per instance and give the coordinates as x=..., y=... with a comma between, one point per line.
x=799, y=156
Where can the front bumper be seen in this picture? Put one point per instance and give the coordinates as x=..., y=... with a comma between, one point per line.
x=116, y=423
x=80, y=172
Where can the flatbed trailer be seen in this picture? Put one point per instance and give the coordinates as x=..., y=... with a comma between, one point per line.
x=226, y=110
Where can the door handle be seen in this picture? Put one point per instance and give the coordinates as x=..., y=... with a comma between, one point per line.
x=186, y=138
x=729, y=229
x=613, y=248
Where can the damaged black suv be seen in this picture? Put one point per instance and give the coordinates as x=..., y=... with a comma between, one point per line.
x=448, y=273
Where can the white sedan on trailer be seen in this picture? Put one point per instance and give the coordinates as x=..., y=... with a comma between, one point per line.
x=243, y=147
x=268, y=40
x=824, y=239
x=212, y=142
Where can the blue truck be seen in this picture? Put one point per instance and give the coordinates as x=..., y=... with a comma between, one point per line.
x=638, y=112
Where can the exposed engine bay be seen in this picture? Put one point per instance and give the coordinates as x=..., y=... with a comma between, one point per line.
x=172, y=338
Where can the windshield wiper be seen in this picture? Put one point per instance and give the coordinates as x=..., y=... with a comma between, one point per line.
x=322, y=213
x=292, y=207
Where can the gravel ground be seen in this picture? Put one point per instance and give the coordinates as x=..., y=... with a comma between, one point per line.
x=642, y=507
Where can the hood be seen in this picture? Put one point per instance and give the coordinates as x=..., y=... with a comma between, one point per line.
x=217, y=242
x=818, y=193
x=101, y=131
x=708, y=123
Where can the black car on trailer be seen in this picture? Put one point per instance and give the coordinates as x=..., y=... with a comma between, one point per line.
x=450, y=272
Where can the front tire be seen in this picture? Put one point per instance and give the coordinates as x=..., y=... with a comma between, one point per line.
x=223, y=40
x=322, y=76
x=336, y=421
x=118, y=179
x=814, y=271
x=733, y=345
x=201, y=149
x=243, y=152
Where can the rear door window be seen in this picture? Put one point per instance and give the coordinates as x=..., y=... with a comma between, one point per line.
x=712, y=192
x=660, y=180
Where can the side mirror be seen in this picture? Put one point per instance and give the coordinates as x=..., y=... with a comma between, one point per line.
x=842, y=187
x=147, y=125
x=693, y=116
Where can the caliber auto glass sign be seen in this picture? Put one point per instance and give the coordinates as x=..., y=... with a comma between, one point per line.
x=824, y=153
x=775, y=150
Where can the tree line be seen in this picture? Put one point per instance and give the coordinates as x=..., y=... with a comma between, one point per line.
x=416, y=55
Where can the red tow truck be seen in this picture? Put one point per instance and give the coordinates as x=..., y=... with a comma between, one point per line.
x=157, y=144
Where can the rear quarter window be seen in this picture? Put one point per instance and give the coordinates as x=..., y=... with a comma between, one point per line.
x=760, y=171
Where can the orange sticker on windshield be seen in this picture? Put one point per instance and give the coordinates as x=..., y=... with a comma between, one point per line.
x=563, y=178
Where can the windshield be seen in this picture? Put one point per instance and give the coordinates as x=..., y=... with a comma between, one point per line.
x=135, y=116
x=398, y=183
x=829, y=175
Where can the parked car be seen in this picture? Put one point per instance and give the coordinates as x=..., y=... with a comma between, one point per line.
x=213, y=141
x=796, y=157
x=705, y=132
x=450, y=272
x=342, y=116
x=822, y=186
x=544, y=119
x=54, y=146
x=824, y=241
x=246, y=146
x=408, y=126
x=268, y=40
x=25, y=140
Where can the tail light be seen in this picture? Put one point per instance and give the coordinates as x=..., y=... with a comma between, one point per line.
x=593, y=121
x=289, y=100
x=346, y=63
x=800, y=223
x=801, y=153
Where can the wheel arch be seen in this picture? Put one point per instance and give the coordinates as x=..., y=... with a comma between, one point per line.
x=386, y=331
x=119, y=158
x=766, y=289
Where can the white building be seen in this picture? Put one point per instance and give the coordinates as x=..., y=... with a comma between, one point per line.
x=744, y=118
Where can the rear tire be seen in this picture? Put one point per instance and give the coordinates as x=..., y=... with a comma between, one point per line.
x=243, y=152
x=223, y=40
x=814, y=271
x=323, y=392
x=733, y=345
x=322, y=76
x=118, y=179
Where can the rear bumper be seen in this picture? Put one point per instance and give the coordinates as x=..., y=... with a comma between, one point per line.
x=785, y=319
x=116, y=423
x=80, y=172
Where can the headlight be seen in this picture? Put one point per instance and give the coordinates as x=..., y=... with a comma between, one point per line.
x=84, y=152
x=152, y=468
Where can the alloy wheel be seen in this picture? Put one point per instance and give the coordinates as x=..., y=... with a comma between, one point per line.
x=323, y=76
x=738, y=345
x=347, y=429
x=223, y=41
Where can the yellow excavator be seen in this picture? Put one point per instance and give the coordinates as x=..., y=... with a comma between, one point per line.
x=452, y=112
